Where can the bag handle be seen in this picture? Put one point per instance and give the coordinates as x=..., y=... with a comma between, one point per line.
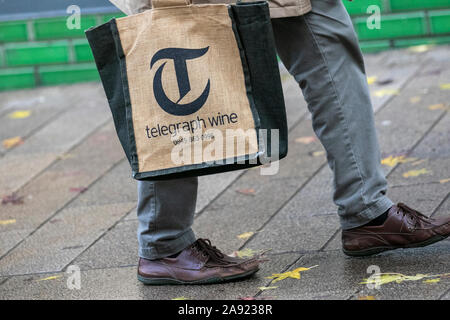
x=170, y=3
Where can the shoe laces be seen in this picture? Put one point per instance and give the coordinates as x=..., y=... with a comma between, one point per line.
x=415, y=215
x=207, y=250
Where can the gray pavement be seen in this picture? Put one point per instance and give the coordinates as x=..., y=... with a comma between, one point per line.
x=73, y=200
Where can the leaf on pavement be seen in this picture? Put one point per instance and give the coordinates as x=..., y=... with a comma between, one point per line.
x=245, y=253
x=384, y=278
x=415, y=173
x=246, y=235
x=65, y=156
x=13, y=199
x=392, y=161
x=249, y=191
x=415, y=99
x=20, y=114
x=432, y=280
x=6, y=222
x=294, y=274
x=420, y=48
x=267, y=288
x=442, y=181
x=438, y=106
x=317, y=153
x=306, y=140
x=12, y=142
x=247, y=298
x=78, y=189
x=366, y=298
x=385, y=92
x=50, y=278
x=371, y=80
x=256, y=298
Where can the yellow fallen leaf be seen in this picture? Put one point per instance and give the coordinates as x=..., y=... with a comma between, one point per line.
x=366, y=298
x=180, y=298
x=12, y=142
x=420, y=48
x=318, y=153
x=249, y=191
x=444, y=180
x=5, y=222
x=294, y=274
x=266, y=288
x=432, y=280
x=20, y=114
x=50, y=278
x=439, y=106
x=445, y=86
x=415, y=99
x=415, y=173
x=246, y=235
x=392, y=161
x=385, y=92
x=306, y=140
x=371, y=80
x=384, y=278
x=65, y=156
x=245, y=253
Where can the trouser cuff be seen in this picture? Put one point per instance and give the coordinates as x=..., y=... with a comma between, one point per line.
x=168, y=248
x=364, y=217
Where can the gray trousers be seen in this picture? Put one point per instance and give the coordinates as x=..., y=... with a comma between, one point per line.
x=320, y=50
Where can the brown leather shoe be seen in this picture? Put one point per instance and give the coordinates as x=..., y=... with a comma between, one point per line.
x=200, y=263
x=403, y=228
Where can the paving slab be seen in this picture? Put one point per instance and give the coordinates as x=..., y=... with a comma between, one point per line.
x=42, y=109
x=58, y=242
x=58, y=185
x=121, y=283
x=26, y=161
x=443, y=210
x=429, y=162
x=115, y=186
x=446, y=296
x=339, y=277
x=290, y=213
x=29, y=98
x=116, y=248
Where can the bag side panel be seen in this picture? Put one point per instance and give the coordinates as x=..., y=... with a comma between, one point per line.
x=104, y=50
x=256, y=35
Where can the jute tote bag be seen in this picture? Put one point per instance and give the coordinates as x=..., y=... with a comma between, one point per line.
x=193, y=89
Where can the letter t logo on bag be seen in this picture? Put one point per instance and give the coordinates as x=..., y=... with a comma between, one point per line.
x=179, y=57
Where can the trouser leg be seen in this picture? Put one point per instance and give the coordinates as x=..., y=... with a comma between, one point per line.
x=165, y=212
x=320, y=49
x=165, y=209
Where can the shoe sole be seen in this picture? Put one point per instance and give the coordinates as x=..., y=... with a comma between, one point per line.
x=161, y=281
x=375, y=250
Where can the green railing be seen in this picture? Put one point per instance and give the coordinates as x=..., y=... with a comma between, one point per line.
x=45, y=52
